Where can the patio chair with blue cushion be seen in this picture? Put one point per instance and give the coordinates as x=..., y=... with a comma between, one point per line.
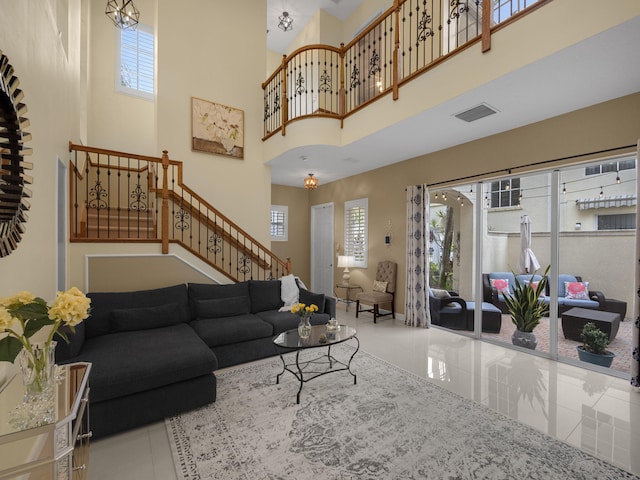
x=573, y=292
x=449, y=310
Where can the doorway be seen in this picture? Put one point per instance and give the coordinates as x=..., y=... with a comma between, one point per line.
x=322, y=254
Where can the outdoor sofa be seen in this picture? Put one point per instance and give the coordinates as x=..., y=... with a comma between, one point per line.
x=153, y=352
x=590, y=299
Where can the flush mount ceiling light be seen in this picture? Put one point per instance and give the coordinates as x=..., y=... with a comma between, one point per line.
x=311, y=182
x=123, y=13
x=286, y=22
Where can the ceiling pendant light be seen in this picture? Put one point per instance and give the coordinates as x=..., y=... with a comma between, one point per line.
x=311, y=182
x=123, y=13
x=286, y=22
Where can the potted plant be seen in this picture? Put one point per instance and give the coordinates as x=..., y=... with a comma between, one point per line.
x=594, y=349
x=526, y=309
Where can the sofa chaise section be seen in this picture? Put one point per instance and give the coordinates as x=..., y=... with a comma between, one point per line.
x=147, y=362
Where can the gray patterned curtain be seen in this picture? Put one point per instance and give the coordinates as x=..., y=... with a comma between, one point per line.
x=635, y=356
x=416, y=305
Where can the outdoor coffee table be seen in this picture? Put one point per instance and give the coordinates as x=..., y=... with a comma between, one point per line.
x=308, y=369
x=573, y=321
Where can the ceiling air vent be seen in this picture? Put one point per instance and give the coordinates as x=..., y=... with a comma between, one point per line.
x=476, y=113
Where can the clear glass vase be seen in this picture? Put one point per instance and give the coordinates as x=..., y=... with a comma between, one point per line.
x=37, y=368
x=304, y=327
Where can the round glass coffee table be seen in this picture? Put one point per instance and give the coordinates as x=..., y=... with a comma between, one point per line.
x=308, y=369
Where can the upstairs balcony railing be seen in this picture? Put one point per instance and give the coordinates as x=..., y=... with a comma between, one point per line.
x=121, y=197
x=405, y=41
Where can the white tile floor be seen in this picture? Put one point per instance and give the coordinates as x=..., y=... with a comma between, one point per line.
x=595, y=412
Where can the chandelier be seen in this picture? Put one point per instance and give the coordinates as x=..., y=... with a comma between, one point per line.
x=286, y=22
x=123, y=13
x=311, y=182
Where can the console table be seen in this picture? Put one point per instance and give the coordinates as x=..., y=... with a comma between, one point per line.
x=58, y=450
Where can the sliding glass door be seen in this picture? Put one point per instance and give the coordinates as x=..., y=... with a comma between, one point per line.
x=580, y=221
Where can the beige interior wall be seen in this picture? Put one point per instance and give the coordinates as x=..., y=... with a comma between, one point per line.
x=50, y=79
x=118, y=121
x=297, y=248
x=607, y=125
x=362, y=16
x=114, y=273
x=207, y=57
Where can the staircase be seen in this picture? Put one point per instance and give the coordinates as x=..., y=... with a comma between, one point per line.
x=118, y=223
x=122, y=197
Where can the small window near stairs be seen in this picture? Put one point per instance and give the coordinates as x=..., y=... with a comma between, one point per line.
x=279, y=223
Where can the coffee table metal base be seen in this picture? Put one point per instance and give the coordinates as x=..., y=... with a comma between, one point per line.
x=306, y=370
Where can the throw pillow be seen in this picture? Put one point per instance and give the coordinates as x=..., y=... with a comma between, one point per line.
x=222, y=307
x=289, y=291
x=500, y=284
x=577, y=290
x=440, y=293
x=308, y=298
x=144, y=318
x=380, y=286
x=265, y=295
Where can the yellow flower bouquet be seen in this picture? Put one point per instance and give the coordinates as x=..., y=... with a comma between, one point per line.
x=23, y=315
x=304, y=312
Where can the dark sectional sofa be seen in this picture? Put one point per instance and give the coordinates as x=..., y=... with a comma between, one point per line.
x=153, y=352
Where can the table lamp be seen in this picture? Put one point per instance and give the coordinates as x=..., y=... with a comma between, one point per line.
x=346, y=261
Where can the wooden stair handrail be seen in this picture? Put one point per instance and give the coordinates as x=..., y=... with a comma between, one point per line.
x=167, y=195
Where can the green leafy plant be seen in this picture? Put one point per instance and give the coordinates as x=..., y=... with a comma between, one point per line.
x=595, y=340
x=524, y=303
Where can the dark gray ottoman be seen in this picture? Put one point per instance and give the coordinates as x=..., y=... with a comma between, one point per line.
x=574, y=319
x=491, y=317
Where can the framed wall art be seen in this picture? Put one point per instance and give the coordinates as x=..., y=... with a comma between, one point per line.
x=216, y=128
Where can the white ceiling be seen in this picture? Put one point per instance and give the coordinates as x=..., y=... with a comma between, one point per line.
x=601, y=68
x=301, y=11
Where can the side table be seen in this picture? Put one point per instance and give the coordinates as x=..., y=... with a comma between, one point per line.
x=348, y=299
x=34, y=449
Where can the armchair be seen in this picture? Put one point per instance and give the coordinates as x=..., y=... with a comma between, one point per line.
x=385, y=276
x=447, y=309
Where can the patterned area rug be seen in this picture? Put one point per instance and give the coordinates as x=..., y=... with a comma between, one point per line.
x=392, y=425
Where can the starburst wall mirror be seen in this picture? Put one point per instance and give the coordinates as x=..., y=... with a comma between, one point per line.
x=13, y=192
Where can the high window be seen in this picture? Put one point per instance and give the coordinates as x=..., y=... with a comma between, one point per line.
x=628, y=164
x=356, y=230
x=619, y=221
x=279, y=223
x=135, y=62
x=505, y=193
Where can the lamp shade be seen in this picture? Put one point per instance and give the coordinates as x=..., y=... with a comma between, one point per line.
x=346, y=261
